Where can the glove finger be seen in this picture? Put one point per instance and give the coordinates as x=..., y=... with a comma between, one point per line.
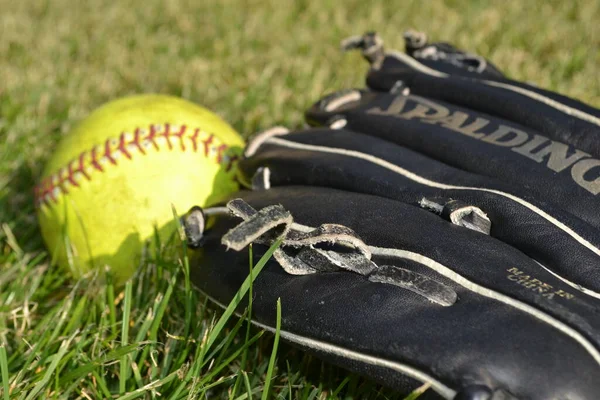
x=482, y=144
x=557, y=117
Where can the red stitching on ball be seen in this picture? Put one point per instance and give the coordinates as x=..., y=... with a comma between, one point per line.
x=179, y=136
x=108, y=152
x=123, y=146
x=95, y=162
x=61, y=182
x=220, y=150
x=71, y=175
x=166, y=136
x=194, y=139
x=46, y=191
x=81, y=167
x=152, y=136
x=136, y=141
x=206, y=143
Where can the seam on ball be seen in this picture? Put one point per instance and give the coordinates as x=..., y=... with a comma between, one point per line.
x=100, y=157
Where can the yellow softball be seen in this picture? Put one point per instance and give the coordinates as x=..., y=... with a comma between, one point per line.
x=116, y=176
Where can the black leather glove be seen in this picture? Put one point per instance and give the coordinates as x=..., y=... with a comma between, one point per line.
x=442, y=226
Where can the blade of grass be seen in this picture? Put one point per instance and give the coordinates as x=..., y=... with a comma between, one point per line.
x=112, y=310
x=214, y=372
x=102, y=384
x=199, y=317
x=220, y=350
x=248, y=386
x=90, y=366
x=265, y=394
x=250, y=299
x=156, y=322
x=418, y=392
x=39, y=386
x=124, y=370
x=79, y=344
x=239, y=296
x=152, y=385
x=186, y=271
x=213, y=335
x=77, y=313
x=249, y=319
x=249, y=395
x=4, y=370
x=313, y=394
x=337, y=391
x=205, y=389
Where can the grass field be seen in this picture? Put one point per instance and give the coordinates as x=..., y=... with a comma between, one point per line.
x=257, y=63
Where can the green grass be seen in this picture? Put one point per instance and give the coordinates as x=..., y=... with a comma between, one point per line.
x=257, y=63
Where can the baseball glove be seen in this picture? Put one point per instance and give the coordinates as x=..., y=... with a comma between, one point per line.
x=440, y=226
